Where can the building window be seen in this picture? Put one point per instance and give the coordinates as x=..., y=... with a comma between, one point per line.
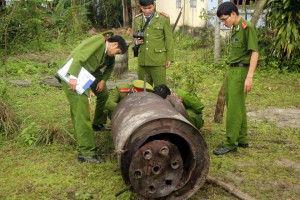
x=178, y=3
x=240, y=2
x=193, y=3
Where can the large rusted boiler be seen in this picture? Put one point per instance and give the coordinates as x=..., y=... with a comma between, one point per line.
x=161, y=154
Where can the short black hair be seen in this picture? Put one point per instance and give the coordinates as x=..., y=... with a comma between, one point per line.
x=227, y=8
x=162, y=90
x=121, y=42
x=146, y=2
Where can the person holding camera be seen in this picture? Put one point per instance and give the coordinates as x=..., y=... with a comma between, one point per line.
x=154, y=44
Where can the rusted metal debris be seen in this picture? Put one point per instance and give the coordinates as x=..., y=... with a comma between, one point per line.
x=163, y=155
x=156, y=169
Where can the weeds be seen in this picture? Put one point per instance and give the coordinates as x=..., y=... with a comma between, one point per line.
x=269, y=169
x=35, y=134
x=7, y=124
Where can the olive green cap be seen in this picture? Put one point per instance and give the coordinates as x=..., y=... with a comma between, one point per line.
x=140, y=85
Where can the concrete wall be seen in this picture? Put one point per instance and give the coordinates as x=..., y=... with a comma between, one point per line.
x=190, y=16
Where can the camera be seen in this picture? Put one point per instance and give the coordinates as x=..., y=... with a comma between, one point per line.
x=135, y=49
x=139, y=35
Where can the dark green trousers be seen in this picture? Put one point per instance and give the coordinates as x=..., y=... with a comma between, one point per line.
x=99, y=116
x=236, y=118
x=195, y=119
x=80, y=115
x=154, y=75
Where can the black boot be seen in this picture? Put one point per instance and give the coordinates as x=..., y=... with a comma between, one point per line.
x=223, y=150
x=90, y=159
x=243, y=145
x=100, y=127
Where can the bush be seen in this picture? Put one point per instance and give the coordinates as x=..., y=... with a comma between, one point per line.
x=25, y=25
x=267, y=57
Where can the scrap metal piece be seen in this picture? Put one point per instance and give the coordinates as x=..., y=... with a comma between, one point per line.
x=163, y=170
x=165, y=156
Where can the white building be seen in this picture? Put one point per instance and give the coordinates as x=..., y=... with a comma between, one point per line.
x=194, y=10
x=191, y=11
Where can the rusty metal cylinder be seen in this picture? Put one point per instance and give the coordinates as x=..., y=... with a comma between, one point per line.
x=161, y=154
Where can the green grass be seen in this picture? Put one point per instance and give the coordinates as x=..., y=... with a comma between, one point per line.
x=269, y=169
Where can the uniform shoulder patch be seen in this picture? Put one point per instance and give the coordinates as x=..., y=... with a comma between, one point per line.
x=244, y=25
x=164, y=14
x=124, y=90
x=138, y=14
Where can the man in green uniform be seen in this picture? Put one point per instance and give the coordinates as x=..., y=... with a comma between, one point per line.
x=121, y=91
x=96, y=55
x=156, y=48
x=192, y=105
x=242, y=61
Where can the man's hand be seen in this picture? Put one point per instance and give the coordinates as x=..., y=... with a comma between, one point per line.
x=139, y=41
x=100, y=86
x=168, y=64
x=72, y=84
x=248, y=84
x=91, y=94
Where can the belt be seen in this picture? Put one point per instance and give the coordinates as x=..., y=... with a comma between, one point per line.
x=238, y=65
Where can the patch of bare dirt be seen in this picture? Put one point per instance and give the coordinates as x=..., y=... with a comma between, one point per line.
x=282, y=117
x=286, y=163
x=286, y=190
x=232, y=178
x=116, y=31
x=42, y=57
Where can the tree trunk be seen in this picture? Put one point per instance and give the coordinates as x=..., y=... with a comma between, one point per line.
x=245, y=9
x=217, y=52
x=259, y=7
x=219, y=111
x=125, y=14
x=221, y=97
x=135, y=10
x=74, y=15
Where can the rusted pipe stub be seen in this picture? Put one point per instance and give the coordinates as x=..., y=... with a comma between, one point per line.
x=155, y=176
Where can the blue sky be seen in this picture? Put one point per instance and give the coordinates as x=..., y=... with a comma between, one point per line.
x=212, y=4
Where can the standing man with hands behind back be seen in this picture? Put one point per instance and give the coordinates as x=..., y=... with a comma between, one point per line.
x=154, y=37
x=242, y=61
x=97, y=56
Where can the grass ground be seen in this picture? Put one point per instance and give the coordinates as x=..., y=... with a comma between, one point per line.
x=269, y=169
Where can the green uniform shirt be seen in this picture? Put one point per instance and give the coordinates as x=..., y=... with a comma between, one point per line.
x=116, y=95
x=158, y=46
x=190, y=101
x=243, y=41
x=91, y=55
x=193, y=108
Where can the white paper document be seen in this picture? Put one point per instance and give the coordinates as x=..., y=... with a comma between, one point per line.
x=84, y=79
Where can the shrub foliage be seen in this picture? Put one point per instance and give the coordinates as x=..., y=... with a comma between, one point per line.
x=284, y=17
x=29, y=23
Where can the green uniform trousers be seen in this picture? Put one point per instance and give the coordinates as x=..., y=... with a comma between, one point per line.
x=154, y=75
x=195, y=119
x=99, y=116
x=236, y=119
x=80, y=115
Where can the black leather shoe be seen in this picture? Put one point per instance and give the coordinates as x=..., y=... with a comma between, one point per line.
x=223, y=150
x=90, y=159
x=100, y=127
x=243, y=145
